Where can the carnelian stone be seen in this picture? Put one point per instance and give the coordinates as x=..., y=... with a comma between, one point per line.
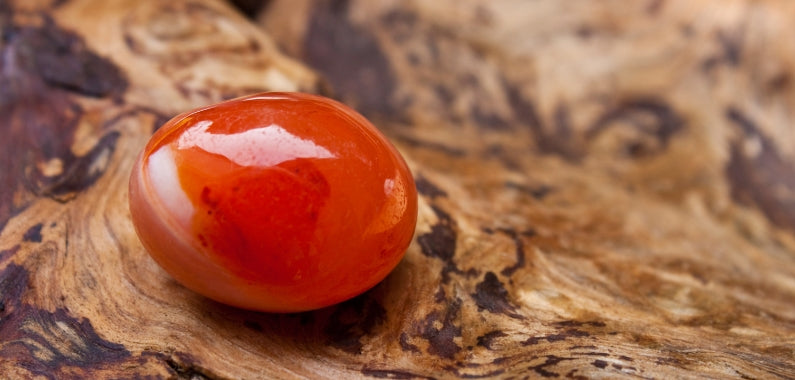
x=277, y=202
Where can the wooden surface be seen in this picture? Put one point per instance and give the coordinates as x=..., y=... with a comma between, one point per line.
x=607, y=187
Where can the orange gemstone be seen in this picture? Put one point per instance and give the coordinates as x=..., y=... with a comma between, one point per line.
x=275, y=202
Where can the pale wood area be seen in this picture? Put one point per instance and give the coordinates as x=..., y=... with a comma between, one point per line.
x=607, y=187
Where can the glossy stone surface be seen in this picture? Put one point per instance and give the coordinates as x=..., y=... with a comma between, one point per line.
x=275, y=202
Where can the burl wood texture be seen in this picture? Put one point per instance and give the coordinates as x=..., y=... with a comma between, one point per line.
x=607, y=187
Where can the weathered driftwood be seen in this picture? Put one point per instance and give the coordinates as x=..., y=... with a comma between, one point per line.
x=607, y=188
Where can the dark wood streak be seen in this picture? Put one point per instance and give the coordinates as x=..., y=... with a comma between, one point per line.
x=83, y=172
x=186, y=367
x=441, y=242
x=48, y=342
x=427, y=188
x=45, y=67
x=392, y=374
x=490, y=294
x=649, y=116
x=62, y=60
x=731, y=49
x=596, y=354
x=558, y=141
x=731, y=42
x=758, y=180
x=503, y=156
x=250, y=8
x=487, y=340
x=580, y=323
x=441, y=340
x=488, y=119
x=431, y=145
x=551, y=360
x=520, y=254
x=13, y=283
x=159, y=117
x=351, y=59
x=400, y=23
x=8, y=253
x=405, y=345
x=537, y=191
x=353, y=320
x=33, y=234
x=570, y=333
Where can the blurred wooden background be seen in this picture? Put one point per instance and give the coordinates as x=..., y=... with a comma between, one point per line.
x=607, y=187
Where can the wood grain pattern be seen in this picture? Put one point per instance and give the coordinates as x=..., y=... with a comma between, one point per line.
x=607, y=188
